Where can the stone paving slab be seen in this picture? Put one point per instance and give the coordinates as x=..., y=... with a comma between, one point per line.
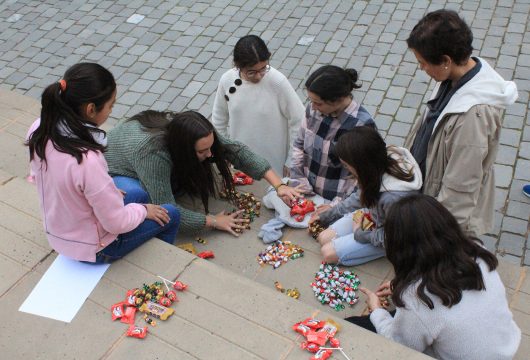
x=189, y=43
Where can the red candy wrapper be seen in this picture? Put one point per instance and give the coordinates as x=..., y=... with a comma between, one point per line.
x=172, y=295
x=329, y=329
x=334, y=342
x=313, y=323
x=322, y=355
x=206, y=255
x=311, y=347
x=240, y=178
x=301, y=328
x=128, y=316
x=317, y=337
x=180, y=286
x=117, y=310
x=130, y=299
x=137, y=331
x=164, y=301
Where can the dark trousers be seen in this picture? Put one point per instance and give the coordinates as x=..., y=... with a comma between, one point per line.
x=364, y=321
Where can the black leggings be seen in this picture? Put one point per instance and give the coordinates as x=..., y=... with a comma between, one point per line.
x=364, y=321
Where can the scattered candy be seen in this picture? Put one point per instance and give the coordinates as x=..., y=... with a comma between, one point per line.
x=335, y=287
x=316, y=228
x=294, y=293
x=279, y=253
x=188, y=247
x=172, y=295
x=159, y=311
x=206, y=255
x=317, y=334
x=180, y=286
x=364, y=217
x=200, y=240
x=164, y=301
x=117, y=310
x=240, y=178
x=128, y=316
x=243, y=201
x=300, y=207
x=137, y=331
x=149, y=320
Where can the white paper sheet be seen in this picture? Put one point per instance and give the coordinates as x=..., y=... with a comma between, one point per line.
x=63, y=289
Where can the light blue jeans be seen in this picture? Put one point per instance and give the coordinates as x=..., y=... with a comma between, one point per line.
x=125, y=243
x=349, y=251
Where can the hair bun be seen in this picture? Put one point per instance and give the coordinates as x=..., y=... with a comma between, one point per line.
x=354, y=76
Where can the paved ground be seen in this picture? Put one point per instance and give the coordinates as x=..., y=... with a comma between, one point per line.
x=231, y=304
x=173, y=58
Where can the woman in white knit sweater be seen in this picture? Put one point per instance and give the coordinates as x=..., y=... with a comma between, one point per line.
x=256, y=105
x=450, y=302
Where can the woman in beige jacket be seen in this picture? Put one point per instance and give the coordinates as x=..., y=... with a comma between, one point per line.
x=455, y=141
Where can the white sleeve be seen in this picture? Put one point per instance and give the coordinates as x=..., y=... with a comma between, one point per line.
x=220, y=111
x=294, y=111
x=405, y=328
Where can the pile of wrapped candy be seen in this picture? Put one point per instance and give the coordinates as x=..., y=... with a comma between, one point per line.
x=335, y=287
x=243, y=201
x=316, y=228
x=279, y=253
x=240, y=178
x=151, y=300
x=317, y=334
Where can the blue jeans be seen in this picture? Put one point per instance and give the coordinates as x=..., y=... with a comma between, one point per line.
x=127, y=242
x=349, y=251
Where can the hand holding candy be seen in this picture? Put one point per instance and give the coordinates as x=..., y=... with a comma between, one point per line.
x=384, y=289
x=373, y=300
x=229, y=222
x=288, y=193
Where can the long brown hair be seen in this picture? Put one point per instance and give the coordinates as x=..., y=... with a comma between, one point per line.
x=365, y=151
x=424, y=243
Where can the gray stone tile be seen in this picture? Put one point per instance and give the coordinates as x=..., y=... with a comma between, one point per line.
x=511, y=244
x=515, y=225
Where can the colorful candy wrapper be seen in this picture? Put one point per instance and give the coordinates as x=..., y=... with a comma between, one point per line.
x=137, y=331
x=334, y=342
x=117, y=310
x=180, y=286
x=322, y=354
x=128, y=316
x=311, y=347
x=164, y=301
x=314, y=323
x=206, y=255
x=301, y=328
x=172, y=295
x=317, y=337
x=330, y=330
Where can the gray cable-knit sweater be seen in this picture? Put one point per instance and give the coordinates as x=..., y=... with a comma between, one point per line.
x=479, y=327
x=134, y=153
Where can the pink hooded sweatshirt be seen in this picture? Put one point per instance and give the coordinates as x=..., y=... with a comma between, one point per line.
x=82, y=210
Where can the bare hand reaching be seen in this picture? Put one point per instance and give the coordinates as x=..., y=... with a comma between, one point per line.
x=157, y=213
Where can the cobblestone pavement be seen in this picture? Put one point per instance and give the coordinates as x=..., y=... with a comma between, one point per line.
x=171, y=54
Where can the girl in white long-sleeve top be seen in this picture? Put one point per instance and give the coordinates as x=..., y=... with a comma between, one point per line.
x=450, y=301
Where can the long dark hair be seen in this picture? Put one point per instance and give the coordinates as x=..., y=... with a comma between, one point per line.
x=178, y=133
x=250, y=50
x=442, y=32
x=424, y=243
x=365, y=151
x=85, y=83
x=332, y=83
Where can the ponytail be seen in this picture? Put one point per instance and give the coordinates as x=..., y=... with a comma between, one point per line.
x=62, y=121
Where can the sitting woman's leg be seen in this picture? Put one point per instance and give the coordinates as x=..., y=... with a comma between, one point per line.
x=341, y=227
x=132, y=188
x=125, y=243
x=352, y=253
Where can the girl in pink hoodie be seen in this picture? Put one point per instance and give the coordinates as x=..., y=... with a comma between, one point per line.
x=85, y=216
